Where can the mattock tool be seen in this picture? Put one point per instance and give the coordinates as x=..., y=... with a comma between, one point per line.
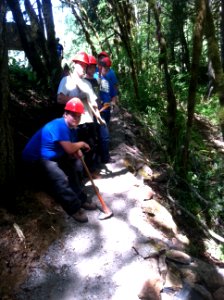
x=106, y=212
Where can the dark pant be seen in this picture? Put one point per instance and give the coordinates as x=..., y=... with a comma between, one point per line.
x=104, y=142
x=62, y=179
x=106, y=115
x=88, y=133
x=104, y=137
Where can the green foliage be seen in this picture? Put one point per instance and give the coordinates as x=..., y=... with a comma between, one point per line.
x=221, y=115
x=205, y=170
x=19, y=73
x=210, y=108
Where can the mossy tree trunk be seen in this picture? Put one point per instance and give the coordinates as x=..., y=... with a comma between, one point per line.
x=124, y=16
x=196, y=54
x=215, y=57
x=41, y=51
x=171, y=99
x=7, y=163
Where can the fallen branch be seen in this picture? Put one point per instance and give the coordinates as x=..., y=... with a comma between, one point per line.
x=20, y=233
x=208, y=233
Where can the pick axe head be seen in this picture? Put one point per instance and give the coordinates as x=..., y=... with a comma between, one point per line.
x=104, y=213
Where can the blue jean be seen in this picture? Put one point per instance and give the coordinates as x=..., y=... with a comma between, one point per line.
x=62, y=180
x=106, y=115
x=104, y=141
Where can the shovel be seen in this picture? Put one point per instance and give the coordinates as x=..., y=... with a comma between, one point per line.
x=106, y=212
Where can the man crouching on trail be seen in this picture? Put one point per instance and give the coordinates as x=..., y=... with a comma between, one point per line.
x=53, y=154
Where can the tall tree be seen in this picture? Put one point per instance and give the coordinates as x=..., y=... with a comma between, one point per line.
x=39, y=49
x=200, y=7
x=222, y=32
x=7, y=163
x=123, y=12
x=177, y=35
x=28, y=42
x=171, y=99
x=215, y=57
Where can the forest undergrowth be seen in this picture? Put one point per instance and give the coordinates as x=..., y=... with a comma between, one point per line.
x=196, y=206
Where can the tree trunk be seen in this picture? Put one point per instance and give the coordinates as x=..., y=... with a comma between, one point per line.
x=197, y=46
x=7, y=161
x=40, y=51
x=85, y=30
x=222, y=33
x=214, y=56
x=28, y=43
x=171, y=99
x=123, y=15
x=36, y=25
x=54, y=67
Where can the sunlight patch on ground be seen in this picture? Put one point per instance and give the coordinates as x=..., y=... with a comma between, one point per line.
x=121, y=183
x=120, y=234
x=130, y=279
x=137, y=219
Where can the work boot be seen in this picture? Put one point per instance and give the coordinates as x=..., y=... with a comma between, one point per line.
x=80, y=216
x=89, y=206
x=96, y=175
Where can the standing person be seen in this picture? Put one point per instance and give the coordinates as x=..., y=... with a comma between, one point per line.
x=102, y=130
x=106, y=94
x=60, y=50
x=110, y=76
x=90, y=71
x=53, y=153
x=74, y=85
x=107, y=90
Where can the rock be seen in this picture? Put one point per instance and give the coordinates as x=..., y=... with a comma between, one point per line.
x=141, y=192
x=144, y=172
x=178, y=257
x=160, y=216
x=194, y=292
x=151, y=289
x=173, y=278
x=149, y=248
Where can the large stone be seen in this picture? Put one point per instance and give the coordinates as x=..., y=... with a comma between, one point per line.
x=178, y=257
x=151, y=289
x=160, y=216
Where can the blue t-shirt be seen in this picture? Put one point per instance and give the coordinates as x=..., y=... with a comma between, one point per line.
x=44, y=144
x=112, y=78
x=106, y=89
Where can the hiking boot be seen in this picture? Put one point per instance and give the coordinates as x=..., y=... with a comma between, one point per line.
x=96, y=175
x=80, y=216
x=89, y=206
x=108, y=161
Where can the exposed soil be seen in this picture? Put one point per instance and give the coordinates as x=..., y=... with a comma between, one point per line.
x=33, y=223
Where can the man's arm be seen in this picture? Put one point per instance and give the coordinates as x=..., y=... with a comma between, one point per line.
x=72, y=148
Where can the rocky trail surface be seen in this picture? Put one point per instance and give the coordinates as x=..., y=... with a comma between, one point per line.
x=139, y=253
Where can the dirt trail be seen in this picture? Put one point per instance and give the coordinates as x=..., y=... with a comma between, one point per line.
x=98, y=260
x=124, y=257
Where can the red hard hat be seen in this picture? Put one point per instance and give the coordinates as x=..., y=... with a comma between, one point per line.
x=103, y=53
x=92, y=60
x=75, y=105
x=105, y=62
x=81, y=57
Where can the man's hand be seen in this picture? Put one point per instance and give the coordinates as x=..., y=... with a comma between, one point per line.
x=85, y=146
x=78, y=154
